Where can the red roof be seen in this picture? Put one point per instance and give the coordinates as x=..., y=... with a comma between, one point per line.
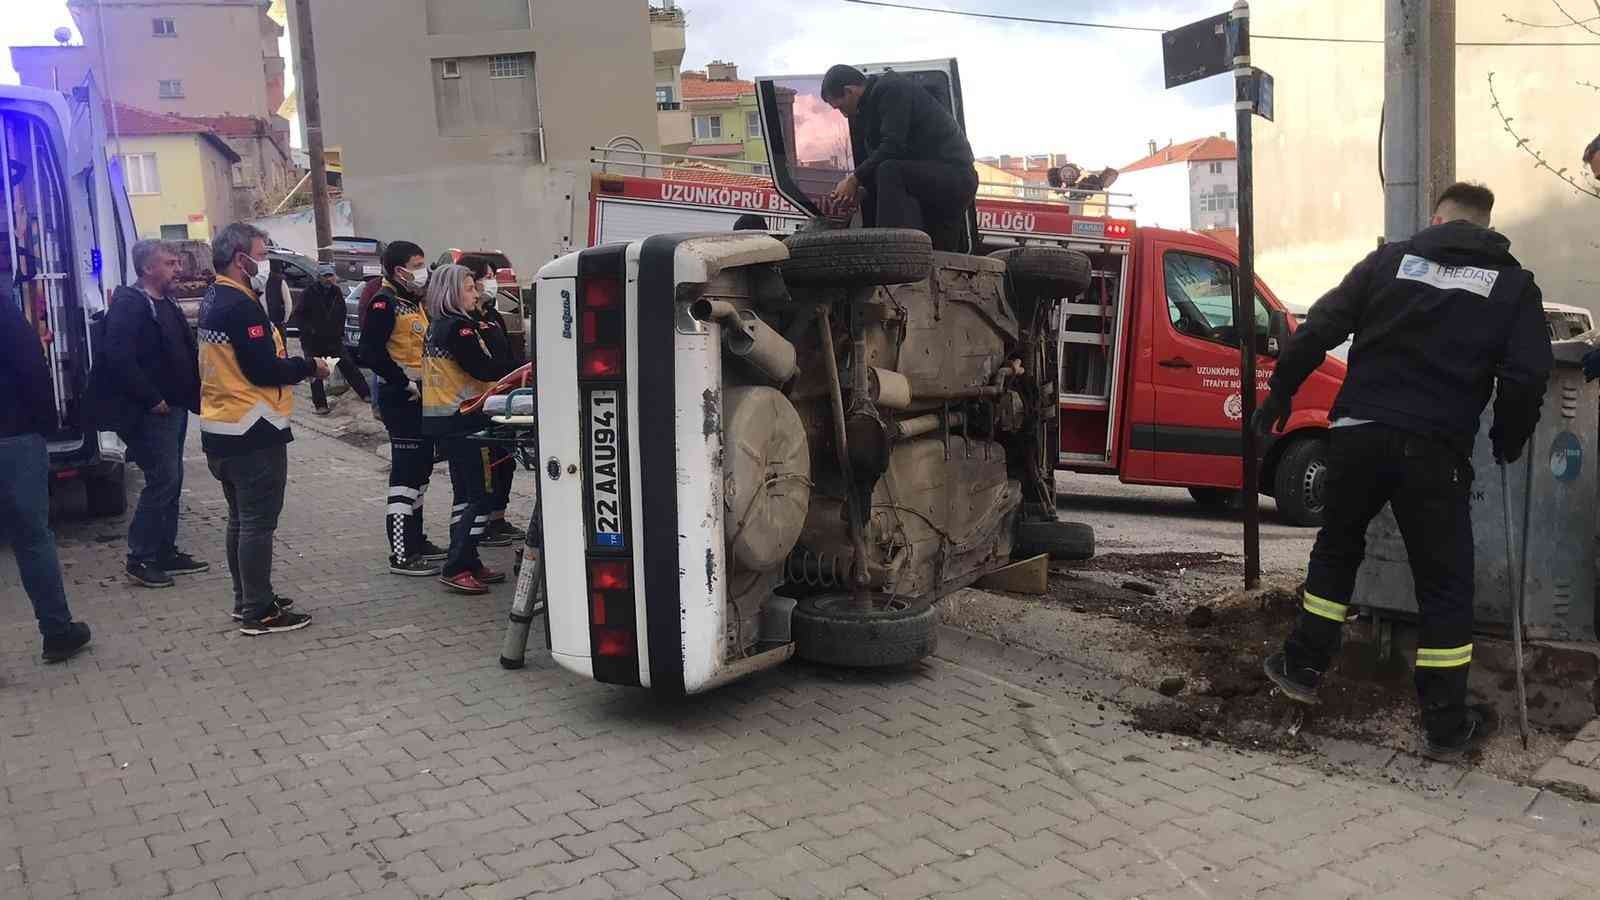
x=708, y=175
x=695, y=86
x=136, y=122
x=1206, y=149
x=234, y=126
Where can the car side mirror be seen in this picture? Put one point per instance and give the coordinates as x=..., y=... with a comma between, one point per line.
x=1277, y=332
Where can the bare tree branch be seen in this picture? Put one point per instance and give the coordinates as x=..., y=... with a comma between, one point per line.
x=1539, y=162
x=1573, y=19
x=1568, y=24
x=1589, y=84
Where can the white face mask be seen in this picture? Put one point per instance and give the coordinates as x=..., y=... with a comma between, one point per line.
x=488, y=287
x=419, y=277
x=258, y=281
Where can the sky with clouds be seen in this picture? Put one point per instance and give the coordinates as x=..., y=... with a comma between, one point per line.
x=1093, y=94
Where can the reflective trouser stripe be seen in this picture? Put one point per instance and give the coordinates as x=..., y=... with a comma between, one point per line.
x=1444, y=658
x=1327, y=609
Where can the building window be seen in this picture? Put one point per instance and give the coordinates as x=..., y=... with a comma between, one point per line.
x=175, y=232
x=752, y=125
x=449, y=68
x=1216, y=168
x=1220, y=200
x=707, y=128
x=141, y=174
x=665, y=98
x=509, y=65
x=759, y=169
x=163, y=27
x=170, y=89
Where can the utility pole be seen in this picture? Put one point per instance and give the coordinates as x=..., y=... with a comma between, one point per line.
x=311, y=108
x=1419, y=99
x=1244, y=314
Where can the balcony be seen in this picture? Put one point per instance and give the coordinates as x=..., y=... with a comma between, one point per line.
x=666, y=36
x=674, y=129
x=668, y=106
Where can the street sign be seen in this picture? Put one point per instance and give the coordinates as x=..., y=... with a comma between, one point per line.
x=1197, y=50
x=1256, y=90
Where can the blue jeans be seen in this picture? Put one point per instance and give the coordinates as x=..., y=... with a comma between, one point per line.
x=155, y=443
x=25, y=516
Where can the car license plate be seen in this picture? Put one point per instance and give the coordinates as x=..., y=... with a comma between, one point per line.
x=607, y=485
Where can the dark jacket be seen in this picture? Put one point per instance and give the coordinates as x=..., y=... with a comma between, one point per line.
x=148, y=354
x=274, y=294
x=460, y=346
x=1440, y=321
x=899, y=119
x=246, y=374
x=29, y=406
x=320, y=316
x=495, y=336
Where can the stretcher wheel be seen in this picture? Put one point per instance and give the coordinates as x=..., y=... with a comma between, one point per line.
x=855, y=257
x=830, y=629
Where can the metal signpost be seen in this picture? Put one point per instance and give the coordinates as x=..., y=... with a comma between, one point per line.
x=1200, y=50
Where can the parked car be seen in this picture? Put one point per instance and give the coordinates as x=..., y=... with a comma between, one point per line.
x=73, y=248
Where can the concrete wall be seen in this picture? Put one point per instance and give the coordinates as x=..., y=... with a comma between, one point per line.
x=595, y=76
x=1160, y=195
x=296, y=231
x=54, y=67
x=217, y=53
x=1319, y=203
x=194, y=182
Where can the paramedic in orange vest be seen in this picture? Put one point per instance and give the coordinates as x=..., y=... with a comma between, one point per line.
x=246, y=396
x=391, y=344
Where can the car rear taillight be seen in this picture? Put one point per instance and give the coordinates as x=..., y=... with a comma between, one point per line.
x=600, y=329
x=611, y=610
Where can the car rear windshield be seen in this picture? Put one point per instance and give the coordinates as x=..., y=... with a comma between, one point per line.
x=355, y=245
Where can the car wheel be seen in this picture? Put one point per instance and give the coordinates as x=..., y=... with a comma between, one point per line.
x=1058, y=540
x=830, y=629
x=1300, y=487
x=850, y=258
x=1046, y=272
x=107, y=493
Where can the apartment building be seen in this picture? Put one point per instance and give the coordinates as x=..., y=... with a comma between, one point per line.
x=667, y=25
x=468, y=123
x=178, y=173
x=1192, y=185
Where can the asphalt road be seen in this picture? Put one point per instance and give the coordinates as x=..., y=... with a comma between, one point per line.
x=1131, y=518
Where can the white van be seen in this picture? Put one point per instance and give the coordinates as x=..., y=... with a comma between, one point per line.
x=66, y=239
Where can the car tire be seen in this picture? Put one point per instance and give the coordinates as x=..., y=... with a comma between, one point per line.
x=1058, y=540
x=858, y=257
x=1216, y=498
x=826, y=629
x=106, y=492
x=1052, y=273
x=1301, y=482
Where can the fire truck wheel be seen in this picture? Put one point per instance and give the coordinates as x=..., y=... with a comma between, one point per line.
x=1059, y=540
x=1302, y=478
x=855, y=257
x=106, y=492
x=830, y=630
x=1050, y=273
x=1215, y=498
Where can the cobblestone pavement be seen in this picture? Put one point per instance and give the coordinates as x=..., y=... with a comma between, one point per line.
x=384, y=752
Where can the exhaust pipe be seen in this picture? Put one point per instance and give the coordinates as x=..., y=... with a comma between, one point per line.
x=747, y=337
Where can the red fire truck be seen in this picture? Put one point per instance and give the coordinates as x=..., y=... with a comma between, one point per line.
x=1149, y=355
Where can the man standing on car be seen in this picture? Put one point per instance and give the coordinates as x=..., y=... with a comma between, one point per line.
x=29, y=414
x=245, y=403
x=912, y=160
x=152, y=375
x=391, y=345
x=320, y=318
x=1440, y=320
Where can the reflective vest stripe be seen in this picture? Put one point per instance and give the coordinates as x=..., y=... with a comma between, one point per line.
x=1327, y=609
x=1443, y=658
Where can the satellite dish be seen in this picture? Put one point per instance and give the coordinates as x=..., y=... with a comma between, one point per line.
x=63, y=36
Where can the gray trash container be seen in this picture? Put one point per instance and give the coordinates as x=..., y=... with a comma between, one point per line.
x=1560, y=590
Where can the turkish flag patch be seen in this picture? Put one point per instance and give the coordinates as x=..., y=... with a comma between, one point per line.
x=466, y=332
x=257, y=331
x=380, y=304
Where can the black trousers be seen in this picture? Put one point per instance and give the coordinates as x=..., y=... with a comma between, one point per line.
x=1428, y=484
x=310, y=348
x=470, y=483
x=410, y=469
x=929, y=196
x=504, y=463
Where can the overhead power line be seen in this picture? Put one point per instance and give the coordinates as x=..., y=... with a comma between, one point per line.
x=1108, y=26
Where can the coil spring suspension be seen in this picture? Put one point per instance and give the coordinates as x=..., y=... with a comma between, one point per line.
x=817, y=570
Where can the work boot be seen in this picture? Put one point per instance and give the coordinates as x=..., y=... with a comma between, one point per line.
x=1480, y=724
x=65, y=646
x=1298, y=684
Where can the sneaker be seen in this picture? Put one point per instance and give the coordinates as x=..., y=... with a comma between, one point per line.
x=320, y=411
x=1481, y=724
x=414, y=567
x=487, y=575
x=502, y=527
x=183, y=564
x=492, y=538
x=280, y=620
x=1299, y=685
x=282, y=604
x=432, y=552
x=61, y=649
x=143, y=573
x=464, y=583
